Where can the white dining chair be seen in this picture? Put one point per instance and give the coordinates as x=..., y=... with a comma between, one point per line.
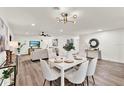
x=49, y=74
x=77, y=76
x=91, y=70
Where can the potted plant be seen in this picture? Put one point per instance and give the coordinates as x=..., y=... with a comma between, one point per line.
x=6, y=74
x=20, y=46
x=68, y=47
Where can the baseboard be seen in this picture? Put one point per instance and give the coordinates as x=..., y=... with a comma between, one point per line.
x=113, y=61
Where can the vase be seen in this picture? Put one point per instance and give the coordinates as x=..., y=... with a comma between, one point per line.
x=6, y=82
x=67, y=54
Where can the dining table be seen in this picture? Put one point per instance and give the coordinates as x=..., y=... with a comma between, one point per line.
x=65, y=65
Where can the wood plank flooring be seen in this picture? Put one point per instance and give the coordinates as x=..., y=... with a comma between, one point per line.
x=107, y=73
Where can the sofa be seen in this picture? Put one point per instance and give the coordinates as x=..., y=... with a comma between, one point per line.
x=38, y=54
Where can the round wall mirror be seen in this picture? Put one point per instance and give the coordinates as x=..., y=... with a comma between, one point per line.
x=94, y=43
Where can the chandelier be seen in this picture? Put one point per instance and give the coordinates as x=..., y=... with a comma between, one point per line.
x=44, y=34
x=65, y=18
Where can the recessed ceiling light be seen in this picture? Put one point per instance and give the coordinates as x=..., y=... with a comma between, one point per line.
x=74, y=16
x=27, y=33
x=100, y=30
x=33, y=24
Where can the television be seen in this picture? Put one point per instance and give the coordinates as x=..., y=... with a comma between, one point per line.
x=34, y=44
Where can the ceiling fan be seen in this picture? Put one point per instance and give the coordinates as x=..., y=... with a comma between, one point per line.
x=44, y=34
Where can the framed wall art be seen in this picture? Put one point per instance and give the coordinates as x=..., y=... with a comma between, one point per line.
x=55, y=42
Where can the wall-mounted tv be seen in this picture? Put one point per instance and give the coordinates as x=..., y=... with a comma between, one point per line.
x=34, y=44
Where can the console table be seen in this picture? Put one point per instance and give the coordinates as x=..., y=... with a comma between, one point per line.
x=93, y=53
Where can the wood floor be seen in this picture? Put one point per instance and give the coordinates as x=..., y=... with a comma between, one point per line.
x=107, y=73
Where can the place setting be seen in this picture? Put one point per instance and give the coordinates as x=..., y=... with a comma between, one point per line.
x=63, y=60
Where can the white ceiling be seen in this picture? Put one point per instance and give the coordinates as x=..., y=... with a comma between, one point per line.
x=89, y=20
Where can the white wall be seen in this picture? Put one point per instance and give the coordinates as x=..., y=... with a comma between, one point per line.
x=111, y=44
x=47, y=41
x=5, y=32
x=2, y=57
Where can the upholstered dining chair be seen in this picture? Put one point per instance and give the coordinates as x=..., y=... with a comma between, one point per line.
x=49, y=74
x=77, y=76
x=91, y=70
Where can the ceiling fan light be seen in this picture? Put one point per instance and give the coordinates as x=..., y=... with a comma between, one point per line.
x=74, y=22
x=63, y=14
x=74, y=16
x=58, y=21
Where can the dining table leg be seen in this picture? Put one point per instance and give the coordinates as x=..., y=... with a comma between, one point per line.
x=62, y=77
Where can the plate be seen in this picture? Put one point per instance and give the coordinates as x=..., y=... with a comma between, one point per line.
x=67, y=61
x=58, y=61
x=78, y=58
